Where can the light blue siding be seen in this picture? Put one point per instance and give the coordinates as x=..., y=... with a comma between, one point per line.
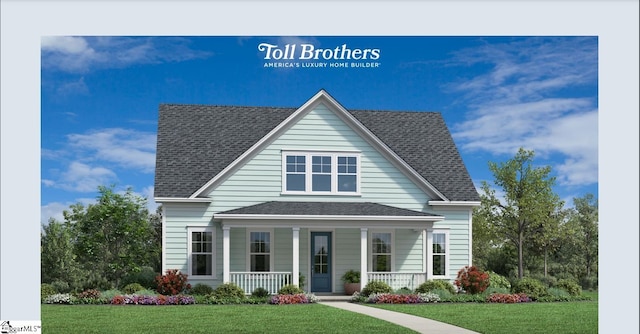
x=260, y=180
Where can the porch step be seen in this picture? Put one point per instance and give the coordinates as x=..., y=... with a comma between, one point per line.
x=329, y=297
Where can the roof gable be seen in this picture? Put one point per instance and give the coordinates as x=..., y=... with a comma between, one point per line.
x=193, y=155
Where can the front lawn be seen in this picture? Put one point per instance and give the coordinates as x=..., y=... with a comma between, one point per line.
x=308, y=318
x=548, y=318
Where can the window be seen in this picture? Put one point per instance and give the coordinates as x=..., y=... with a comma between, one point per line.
x=201, y=252
x=259, y=251
x=381, y=251
x=321, y=173
x=439, y=253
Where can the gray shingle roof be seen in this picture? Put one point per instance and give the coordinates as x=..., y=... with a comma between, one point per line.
x=196, y=142
x=325, y=208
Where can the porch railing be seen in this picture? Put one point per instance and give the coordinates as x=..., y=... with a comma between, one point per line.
x=398, y=280
x=271, y=281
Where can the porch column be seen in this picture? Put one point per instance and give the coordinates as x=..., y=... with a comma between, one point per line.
x=296, y=255
x=226, y=275
x=363, y=258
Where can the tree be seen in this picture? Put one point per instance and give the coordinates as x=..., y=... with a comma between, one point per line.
x=548, y=233
x=58, y=262
x=156, y=242
x=528, y=199
x=112, y=236
x=584, y=218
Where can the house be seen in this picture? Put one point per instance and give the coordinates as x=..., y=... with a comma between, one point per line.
x=262, y=196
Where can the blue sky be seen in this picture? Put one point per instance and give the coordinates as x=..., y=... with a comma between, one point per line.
x=100, y=97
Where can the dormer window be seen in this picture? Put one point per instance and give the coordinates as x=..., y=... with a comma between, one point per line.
x=332, y=173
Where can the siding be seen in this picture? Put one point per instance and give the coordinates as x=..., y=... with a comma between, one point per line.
x=260, y=180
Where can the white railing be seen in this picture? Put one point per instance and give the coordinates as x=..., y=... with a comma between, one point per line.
x=397, y=280
x=271, y=281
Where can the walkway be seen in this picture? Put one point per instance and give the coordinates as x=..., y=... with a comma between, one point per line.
x=418, y=324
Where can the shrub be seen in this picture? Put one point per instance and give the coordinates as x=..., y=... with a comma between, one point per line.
x=491, y=290
x=442, y=293
x=376, y=287
x=351, y=276
x=132, y=288
x=146, y=292
x=145, y=277
x=548, y=281
x=290, y=289
x=432, y=285
x=569, y=286
x=59, y=298
x=201, y=289
x=508, y=298
x=260, y=293
x=498, y=281
x=299, y=298
x=530, y=286
x=387, y=298
x=61, y=286
x=89, y=293
x=46, y=290
x=109, y=294
x=403, y=291
x=172, y=283
x=472, y=280
x=228, y=290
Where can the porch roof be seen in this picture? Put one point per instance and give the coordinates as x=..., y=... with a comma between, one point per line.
x=329, y=209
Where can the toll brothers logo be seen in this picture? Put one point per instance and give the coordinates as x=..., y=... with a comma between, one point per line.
x=308, y=56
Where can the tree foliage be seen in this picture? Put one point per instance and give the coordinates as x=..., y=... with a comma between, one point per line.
x=104, y=241
x=528, y=200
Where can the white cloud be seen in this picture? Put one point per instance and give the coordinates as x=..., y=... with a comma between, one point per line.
x=84, y=178
x=533, y=97
x=127, y=148
x=55, y=209
x=75, y=54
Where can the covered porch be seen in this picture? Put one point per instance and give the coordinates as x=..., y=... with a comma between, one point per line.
x=274, y=244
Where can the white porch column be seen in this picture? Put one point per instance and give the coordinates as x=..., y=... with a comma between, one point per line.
x=363, y=258
x=424, y=252
x=226, y=275
x=296, y=255
x=429, y=253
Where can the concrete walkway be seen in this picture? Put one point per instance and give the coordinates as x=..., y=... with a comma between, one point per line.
x=418, y=324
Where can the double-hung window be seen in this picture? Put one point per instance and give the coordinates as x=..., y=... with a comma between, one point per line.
x=201, y=252
x=439, y=253
x=381, y=251
x=333, y=173
x=260, y=258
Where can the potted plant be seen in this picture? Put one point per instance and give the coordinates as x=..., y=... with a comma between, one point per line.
x=351, y=280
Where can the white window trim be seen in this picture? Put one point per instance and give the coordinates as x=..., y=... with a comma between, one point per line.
x=271, y=251
x=370, y=250
x=309, y=174
x=430, y=254
x=190, y=253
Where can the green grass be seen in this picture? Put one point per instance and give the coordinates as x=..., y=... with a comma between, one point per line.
x=312, y=318
x=547, y=318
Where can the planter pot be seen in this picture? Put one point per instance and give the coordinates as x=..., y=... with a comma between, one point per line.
x=350, y=288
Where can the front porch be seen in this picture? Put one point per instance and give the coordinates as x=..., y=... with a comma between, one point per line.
x=274, y=281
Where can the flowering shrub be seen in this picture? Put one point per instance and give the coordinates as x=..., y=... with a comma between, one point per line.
x=172, y=283
x=59, y=298
x=152, y=300
x=299, y=298
x=472, y=280
x=387, y=298
x=89, y=293
x=508, y=298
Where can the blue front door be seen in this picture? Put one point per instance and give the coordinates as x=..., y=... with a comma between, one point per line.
x=320, y=261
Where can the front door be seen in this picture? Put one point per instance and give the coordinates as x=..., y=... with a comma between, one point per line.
x=320, y=262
